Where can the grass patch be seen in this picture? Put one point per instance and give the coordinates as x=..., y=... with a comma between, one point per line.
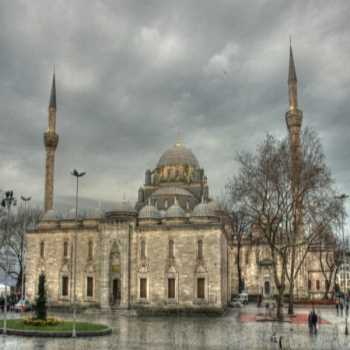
x=65, y=326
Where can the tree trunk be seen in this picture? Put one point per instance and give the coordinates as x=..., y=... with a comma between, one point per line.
x=239, y=271
x=279, y=311
x=291, y=298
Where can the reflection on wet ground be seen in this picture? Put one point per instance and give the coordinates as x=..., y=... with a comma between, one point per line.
x=195, y=332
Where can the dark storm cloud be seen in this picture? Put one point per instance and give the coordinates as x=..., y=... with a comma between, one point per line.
x=133, y=74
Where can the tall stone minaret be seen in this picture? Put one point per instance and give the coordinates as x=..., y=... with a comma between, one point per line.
x=51, y=142
x=294, y=119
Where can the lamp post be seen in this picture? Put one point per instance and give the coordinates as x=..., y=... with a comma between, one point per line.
x=343, y=197
x=7, y=202
x=78, y=175
x=25, y=201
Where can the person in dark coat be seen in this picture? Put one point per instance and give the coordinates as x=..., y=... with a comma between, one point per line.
x=337, y=306
x=341, y=308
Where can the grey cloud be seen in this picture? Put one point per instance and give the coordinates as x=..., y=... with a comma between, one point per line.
x=132, y=74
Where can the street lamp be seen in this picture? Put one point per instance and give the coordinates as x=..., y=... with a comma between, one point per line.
x=343, y=197
x=7, y=202
x=25, y=201
x=78, y=175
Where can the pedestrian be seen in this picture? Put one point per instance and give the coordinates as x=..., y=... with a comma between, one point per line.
x=337, y=306
x=314, y=321
x=341, y=308
x=347, y=309
x=310, y=322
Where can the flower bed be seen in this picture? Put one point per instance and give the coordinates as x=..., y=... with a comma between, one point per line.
x=53, y=328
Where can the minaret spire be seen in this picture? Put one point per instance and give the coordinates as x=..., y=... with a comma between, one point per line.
x=50, y=142
x=52, y=103
x=292, y=81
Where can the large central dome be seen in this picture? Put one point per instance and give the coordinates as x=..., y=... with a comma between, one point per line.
x=178, y=155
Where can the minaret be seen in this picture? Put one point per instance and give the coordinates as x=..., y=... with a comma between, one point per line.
x=294, y=118
x=50, y=142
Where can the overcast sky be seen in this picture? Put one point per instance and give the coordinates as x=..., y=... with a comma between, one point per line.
x=132, y=74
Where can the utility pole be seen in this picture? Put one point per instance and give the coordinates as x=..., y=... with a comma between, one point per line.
x=25, y=201
x=78, y=175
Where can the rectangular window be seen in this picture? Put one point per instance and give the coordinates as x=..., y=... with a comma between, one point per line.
x=171, y=288
x=309, y=284
x=200, y=288
x=318, y=285
x=143, y=288
x=89, y=287
x=65, y=281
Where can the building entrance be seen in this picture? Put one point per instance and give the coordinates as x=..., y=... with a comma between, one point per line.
x=116, y=294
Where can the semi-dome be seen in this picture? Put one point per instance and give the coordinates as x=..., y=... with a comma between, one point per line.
x=51, y=215
x=214, y=206
x=149, y=211
x=171, y=191
x=178, y=154
x=175, y=211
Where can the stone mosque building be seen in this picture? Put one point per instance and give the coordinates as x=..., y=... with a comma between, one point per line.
x=171, y=250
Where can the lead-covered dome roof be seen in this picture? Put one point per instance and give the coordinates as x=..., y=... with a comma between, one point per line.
x=175, y=211
x=178, y=155
x=149, y=211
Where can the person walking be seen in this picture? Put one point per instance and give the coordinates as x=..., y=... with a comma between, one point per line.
x=347, y=309
x=314, y=321
x=337, y=306
x=310, y=322
x=341, y=308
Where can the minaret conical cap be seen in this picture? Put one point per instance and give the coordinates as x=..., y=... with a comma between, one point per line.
x=52, y=103
x=292, y=75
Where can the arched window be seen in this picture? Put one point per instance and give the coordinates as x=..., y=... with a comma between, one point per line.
x=317, y=284
x=42, y=249
x=171, y=249
x=90, y=250
x=309, y=284
x=143, y=249
x=65, y=249
x=200, y=249
x=187, y=205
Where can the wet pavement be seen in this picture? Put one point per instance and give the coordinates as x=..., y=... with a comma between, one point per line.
x=195, y=332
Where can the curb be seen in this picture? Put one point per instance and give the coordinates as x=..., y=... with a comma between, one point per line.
x=43, y=334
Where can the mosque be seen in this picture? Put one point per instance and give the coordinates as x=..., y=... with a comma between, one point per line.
x=171, y=251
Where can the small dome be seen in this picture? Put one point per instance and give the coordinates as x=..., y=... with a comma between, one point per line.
x=213, y=206
x=203, y=209
x=51, y=215
x=96, y=213
x=149, y=211
x=175, y=211
x=178, y=154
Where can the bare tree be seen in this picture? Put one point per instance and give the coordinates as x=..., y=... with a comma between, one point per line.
x=14, y=229
x=289, y=217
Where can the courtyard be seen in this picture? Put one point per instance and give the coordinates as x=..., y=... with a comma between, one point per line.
x=237, y=329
